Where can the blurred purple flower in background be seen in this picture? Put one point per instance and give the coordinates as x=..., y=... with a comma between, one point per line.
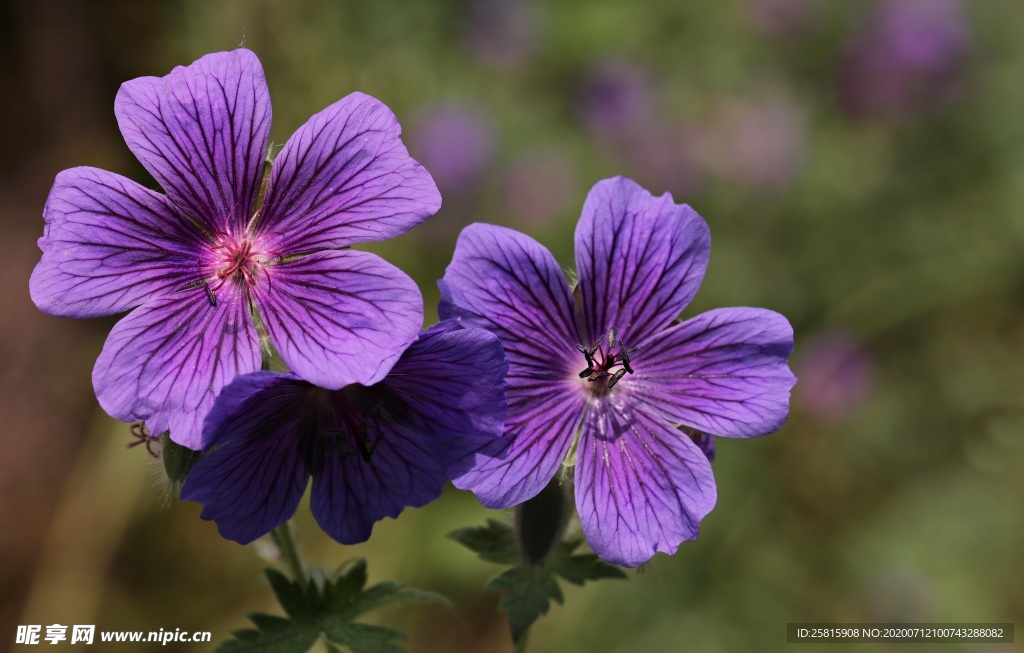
x=836, y=375
x=616, y=97
x=371, y=450
x=641, y=485
x=194, y=264
x=778, y=18
x=503, y=33
x=539, y=185
x=455, y=141
x=760, y=145
x=669, y=156
x=909, y=57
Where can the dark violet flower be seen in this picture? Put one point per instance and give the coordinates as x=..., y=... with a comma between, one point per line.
x=612, y=378
x=616, y=97
x=196, y=263
x=371, y=450
x=909, y=57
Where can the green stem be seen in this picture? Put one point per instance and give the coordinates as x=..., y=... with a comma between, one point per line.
x=283, y=539
x=521, y=644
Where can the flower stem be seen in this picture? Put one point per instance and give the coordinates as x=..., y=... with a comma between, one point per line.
x=283, y=539
x=521, y=644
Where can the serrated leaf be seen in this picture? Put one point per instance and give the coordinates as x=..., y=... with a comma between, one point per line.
x=578, y=569
x=296, y=638
x=363, y=638
x=530, y=591
x=292, y=596
x=495, y=542
x=388, y=593
x=326, y=605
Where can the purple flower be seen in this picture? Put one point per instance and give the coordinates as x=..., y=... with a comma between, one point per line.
x=196, y=263
x=909, y=57
x=606, y=383
x=838, y=375
x=371, y=450
x=456, y=141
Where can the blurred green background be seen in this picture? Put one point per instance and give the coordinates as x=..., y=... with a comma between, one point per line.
x=861, y=165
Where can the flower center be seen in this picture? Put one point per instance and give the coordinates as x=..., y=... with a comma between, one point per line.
x=236, y=259
x=360, y=421
x=605, y=367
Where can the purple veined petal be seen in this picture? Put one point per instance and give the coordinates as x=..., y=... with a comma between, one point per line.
x=542, y=421
x=202, y=132
x=340, y=317
x=253, y=472
x=724, y=372
x=508, y=283
x=453, y=379
x=345, y=177
x=640, y=259
x=641, y=485
x=350, y=493
x=166, y=361
x=109, y=245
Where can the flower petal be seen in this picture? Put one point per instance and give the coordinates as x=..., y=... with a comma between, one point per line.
x=507, y=283
x=724, y=372
x=345, y=177
x=109, y=245
x=340, y=317
x=350, y=494
x=202, y=132
x=253, y=474
x=167, y=360
x=453, y=380
x=640, y=259
x=641, y=485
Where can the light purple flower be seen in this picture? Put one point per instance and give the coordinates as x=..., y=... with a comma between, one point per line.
x=371, y=450
x=838, y=376
x=612, y=378
x=616, y=97
x=456, y=141
x=194, y=264
x=909, y=57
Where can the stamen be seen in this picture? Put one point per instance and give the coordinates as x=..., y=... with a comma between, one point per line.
x=615, y=378
x=587, y=372
x=209, y=294
x=611, y=337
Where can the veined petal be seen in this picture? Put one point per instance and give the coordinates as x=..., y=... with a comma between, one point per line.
x=345, y=177
x=724, y=372
x=202, y=132
x=539, y=429
x=640, y=259
x=340, y=317
x=641, y=485
x=350, y=494
x=166, y=361
x=508, y=283
x=453, y=380
x=109, y=245
x=253, y=471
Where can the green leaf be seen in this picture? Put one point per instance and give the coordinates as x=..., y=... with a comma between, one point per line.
x=530, y=588
x=495, y=542
x=326, y=606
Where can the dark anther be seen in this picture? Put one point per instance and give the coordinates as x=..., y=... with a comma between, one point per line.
x=586, y=372
x=597, y=375
x=624, y=356
x=615, y=378
x=586, y=354
x=611, y=337
x=209, y=294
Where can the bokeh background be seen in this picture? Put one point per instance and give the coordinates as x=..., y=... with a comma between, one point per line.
x=861, y=165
